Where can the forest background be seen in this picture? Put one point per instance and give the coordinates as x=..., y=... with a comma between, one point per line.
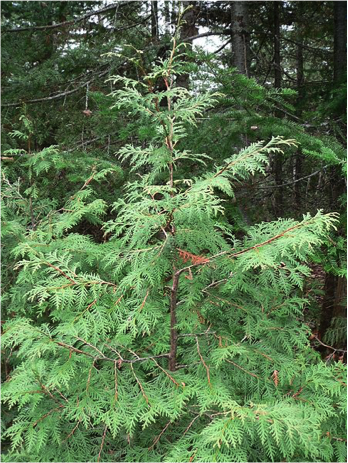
x=254, y=70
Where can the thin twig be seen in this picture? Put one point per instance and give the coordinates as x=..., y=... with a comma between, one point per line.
x=329, y=347
x=61, y=272
x=47, y=414
x=206, y=34
x=222, y=47
x=144, y=301
x=295, y=181
x=116, y=383
x=159, y=436
x=139, y=383
x=102, y=443
x=72, y=432
x=188, y=427
x=173, y=330
x=164, y=371
x=196, y=334
x=88, y=307
x=243, y=369
x=271, y=239
x=89, y=376
x=93, y=347
x=205, y=366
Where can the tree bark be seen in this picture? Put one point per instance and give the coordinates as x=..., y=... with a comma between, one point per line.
x=328, y=304
x=340, y=298
x=189, y=29
x=167, y=16
x=334, y=306
x=154, y=19
x=278, y=159
x=300, y=97
x=276, y=32
x=240, y=37
x=340, y=41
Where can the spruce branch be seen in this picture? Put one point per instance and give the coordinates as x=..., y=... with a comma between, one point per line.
x=66, y=23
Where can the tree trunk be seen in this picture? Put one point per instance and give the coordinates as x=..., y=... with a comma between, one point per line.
x=278, y=159
x=188, y=29
x=300, y=97
x=154, y=19
x=340, y=41
x=167, y=17
x=333, y=305
x=340, y=298
x=328, y=304
x=276, y=32
x=299, y=74
x=240, y=37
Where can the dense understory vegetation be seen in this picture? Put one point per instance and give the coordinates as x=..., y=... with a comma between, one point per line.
x=172, y=277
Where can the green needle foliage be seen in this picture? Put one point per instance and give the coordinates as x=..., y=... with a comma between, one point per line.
x=171, y=340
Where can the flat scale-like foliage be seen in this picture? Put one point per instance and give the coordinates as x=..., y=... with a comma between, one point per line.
x=172, y=340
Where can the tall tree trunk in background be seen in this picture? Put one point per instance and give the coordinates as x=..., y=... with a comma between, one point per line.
x=340, y=41
x=167, y=17
x=327, y=308
x=334, y=307
x=336, y=286
x=188, y=29
x=154, y=19
x=240, y=37
x=278, y=159
x=276, y=35
x=300, y=95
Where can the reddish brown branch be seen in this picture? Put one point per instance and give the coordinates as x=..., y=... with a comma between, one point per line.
x=139, y=384
x=72, y=432
x=47, y=414
x=189, y=426
x=204, y=364
x=299, y=225
x=238, y=366
x=116, y=383
x=102, y=443
x=159, y=436
x=144, y=301
x=89, y=376
x=329, y=347
x=173, y=330
x=164, y=371
x=61, y=272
